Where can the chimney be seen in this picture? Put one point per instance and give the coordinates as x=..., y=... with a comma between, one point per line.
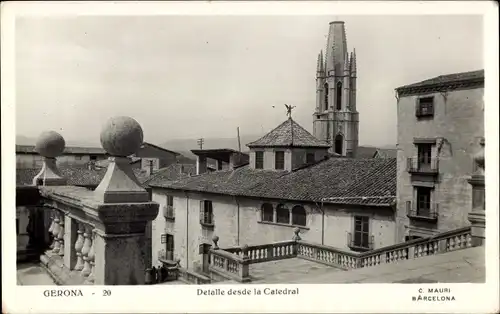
x=91, y=165
x=201, y=164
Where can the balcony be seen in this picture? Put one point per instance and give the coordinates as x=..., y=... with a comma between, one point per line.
x=358, y=243
x=207, y=219
x=428, y=213
x=169, y=213
x=421, y=166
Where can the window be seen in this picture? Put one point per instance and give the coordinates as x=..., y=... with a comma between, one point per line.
x=168, y=240
x=279, y=160
x=325, y=104
x=425, y=107
x=267, y=211
x=310, y=158
x=423, y=201
x=206, y=213
x=299, y=216
x=361, y=232
x=338, y=144
x=169, y=208
x=339, y=96
x=78, y=157
x=17, y=226
x=93, y=158
x=282, y=214
x=424, y=154
x=259, y=160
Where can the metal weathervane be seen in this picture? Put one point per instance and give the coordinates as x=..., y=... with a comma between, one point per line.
x=289, y=109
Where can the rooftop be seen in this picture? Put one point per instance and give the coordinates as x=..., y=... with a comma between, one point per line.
x=461, y=266
x=30, y=149
x=288, y=134
x=387, y=153
x=445, y=82
x=173, y=172
x=345, y=180
x=76, y=175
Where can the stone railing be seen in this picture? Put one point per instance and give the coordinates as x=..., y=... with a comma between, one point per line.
x=441, y=243
x=229, y=265
x=327, y=255
x=91, y=233
x=267, y=252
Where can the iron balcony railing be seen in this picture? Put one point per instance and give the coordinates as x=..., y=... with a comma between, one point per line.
x=427, y=211
x=359, y=243
x=422, y=165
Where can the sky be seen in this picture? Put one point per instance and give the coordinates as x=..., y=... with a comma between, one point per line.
x=184, y=77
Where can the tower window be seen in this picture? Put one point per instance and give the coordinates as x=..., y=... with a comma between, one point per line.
x=338, y=144
x=326, y=97
x=259, y=160
x=279, y=160
x=339, y=96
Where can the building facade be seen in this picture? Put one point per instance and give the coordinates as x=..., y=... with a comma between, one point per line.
x=26, y=157
x=440, y=128
x=335, y=118
x=343, y=202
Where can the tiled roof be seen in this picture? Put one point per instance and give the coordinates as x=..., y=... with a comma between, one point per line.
x=76, y=175
x=365, y=152
x=386, y=153
x=445, y=82
x=160, y=148
x=346, y=180
x=288, y=134
x=173, y=172
x=30, y=149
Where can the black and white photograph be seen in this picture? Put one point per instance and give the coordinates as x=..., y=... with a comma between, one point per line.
x=249, y=155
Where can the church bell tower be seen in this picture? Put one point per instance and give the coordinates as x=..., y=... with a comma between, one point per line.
x=336, y=119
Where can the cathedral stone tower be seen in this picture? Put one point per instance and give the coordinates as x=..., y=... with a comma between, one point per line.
x=336, y=120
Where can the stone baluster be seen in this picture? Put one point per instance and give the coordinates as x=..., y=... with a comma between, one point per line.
x=55, y=233
x=91, y=258
x=244, y=270
x=477, y=216
x=51, y=229
x=87, y=243
x=79, y=246
x=60, y=235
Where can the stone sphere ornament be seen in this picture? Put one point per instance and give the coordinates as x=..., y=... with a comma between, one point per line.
x=121, y=136
x=50, y=144
x=479, y=158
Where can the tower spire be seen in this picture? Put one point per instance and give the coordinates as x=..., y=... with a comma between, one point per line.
x=353, y=62
x=319, y=67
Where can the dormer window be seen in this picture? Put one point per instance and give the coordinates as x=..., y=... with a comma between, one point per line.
x=259, y=160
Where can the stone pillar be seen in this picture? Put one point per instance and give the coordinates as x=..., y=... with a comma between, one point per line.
x=477, y=215
x=122, y=210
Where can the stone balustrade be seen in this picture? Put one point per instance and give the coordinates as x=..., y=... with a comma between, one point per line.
x=230, y=263
x=97, y=237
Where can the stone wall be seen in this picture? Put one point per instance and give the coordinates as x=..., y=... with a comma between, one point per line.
x=457, y=126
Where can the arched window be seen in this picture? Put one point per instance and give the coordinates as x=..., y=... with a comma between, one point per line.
x=282, y=214
x=267, y=212
x=326, y=97
x=339, y=96
x=299, y=216
x=339, y=140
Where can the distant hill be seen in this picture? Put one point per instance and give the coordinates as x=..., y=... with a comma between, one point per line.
x=184, y=146
x=25, y=140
